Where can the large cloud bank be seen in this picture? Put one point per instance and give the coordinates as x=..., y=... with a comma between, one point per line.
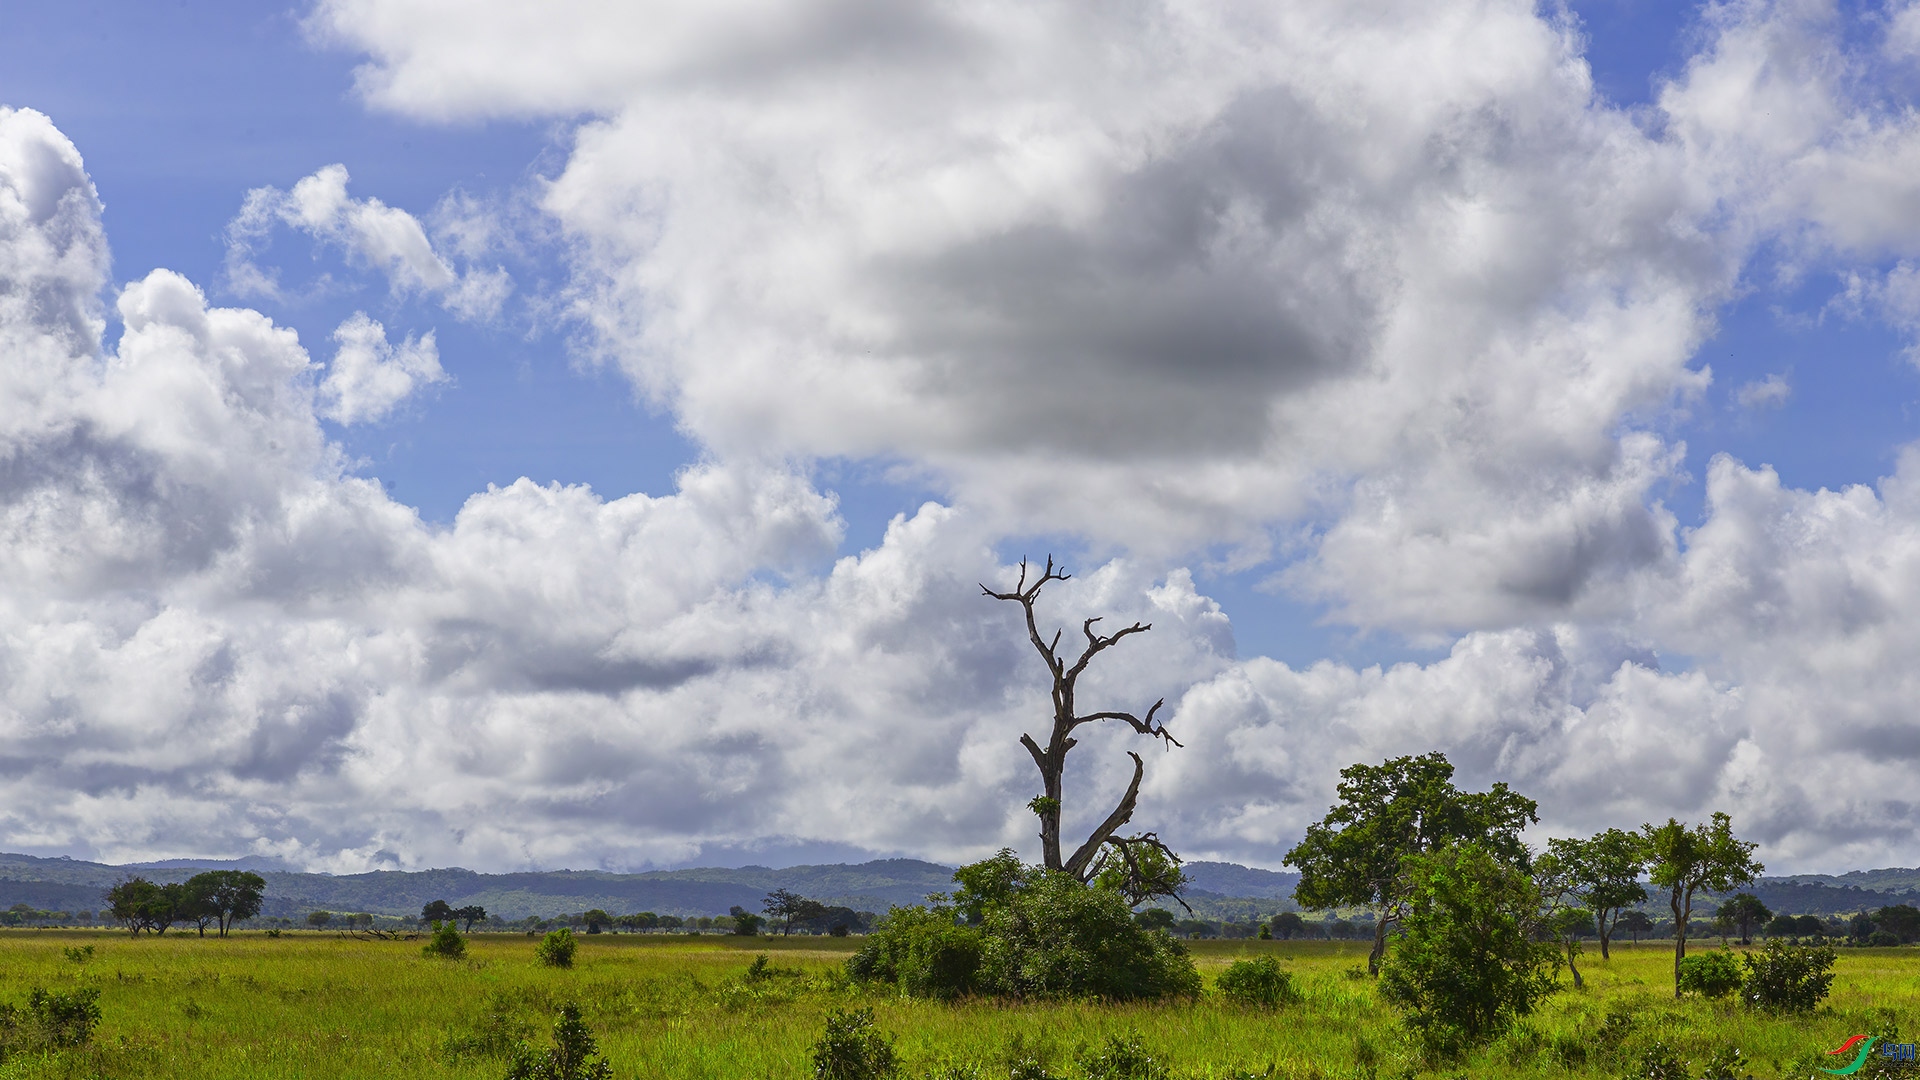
x=1378, y=294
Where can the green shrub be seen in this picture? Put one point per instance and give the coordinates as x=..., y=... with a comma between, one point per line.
x=446, y=943
x=1465, y=967
x=852, y=1049
x=1660, y=1062
x=78, y=955
x=1788, y=978
x=557, y=948
x=50, y=1020
x=922, y=951
x=571, y=1057
x=1727, y=1064
x=1122, y=1059
x=1258, y=983
x=1712, y=974
x=1055, y=937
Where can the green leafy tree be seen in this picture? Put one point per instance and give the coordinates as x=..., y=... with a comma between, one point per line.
x=1393, y=812
x=233, y=895
x=1787, y=978
x=1289, y=925
x=1744, y=912
x=790, y=909
x=1155, y=919
x=437, y=911
x=596, y=920
x=469, y=915
x=141, y=905
x=1634, y=923
x=1065, y=670
x=1604, y=873
x=1056, y=937
x=319, y=919
x=988, y=884
x=1685, y=860
x=197, y=905
x=1900, y=920
x=745, y=923
x=1466, y=964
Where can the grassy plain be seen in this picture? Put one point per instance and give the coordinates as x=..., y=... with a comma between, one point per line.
x=326, y=1007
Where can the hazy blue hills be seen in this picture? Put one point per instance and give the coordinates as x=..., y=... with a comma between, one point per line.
x=1218, y=890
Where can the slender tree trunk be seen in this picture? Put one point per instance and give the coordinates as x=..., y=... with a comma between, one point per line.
x=1379, y=942
x=1578, y=982
x=1681, y=909
x=1605, y=930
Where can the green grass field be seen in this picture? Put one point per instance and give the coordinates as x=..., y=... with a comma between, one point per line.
x=325, y=1007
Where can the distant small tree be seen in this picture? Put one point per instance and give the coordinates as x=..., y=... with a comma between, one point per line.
x=319, y=919
x=446, y=943
x=1634, y=923
x=1155, y=919
x=139, y=904
x=745, y=923
x=639, y=921
x=469, y=915
x=437, y=911
x=1745, y=912
x=788, y=909
x=1684, y=861
x=1900, y=920
x=1289, y=925
x=557, y=948
x=223, y=897
x=596, y=920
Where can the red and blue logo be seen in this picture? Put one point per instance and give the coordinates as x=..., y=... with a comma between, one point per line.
x=1889, y=1051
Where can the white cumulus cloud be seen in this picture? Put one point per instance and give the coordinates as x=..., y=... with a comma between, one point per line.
x=369, y=375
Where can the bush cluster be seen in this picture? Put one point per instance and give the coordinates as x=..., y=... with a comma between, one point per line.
x=446, y=943
x=1026, y=933
x=50, y=1020
x=1709, y=974
x=557, y=948
x=1258, y=983
x=1788, y=978
x=851, y=1048
x=573, y=1055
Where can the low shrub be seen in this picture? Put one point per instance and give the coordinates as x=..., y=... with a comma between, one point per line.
x=851, y=1048
x=922, y=951
x=1257, y=983
x=557, y=948
x=78, y=954
x=446, y=943
x=573, y=1055
x=1661, y=1062
x=1055, y=937
x=1788, y=978
x=1712, y=974
x=1727, y=1063
x=52, y=1019
x=1122, y=1059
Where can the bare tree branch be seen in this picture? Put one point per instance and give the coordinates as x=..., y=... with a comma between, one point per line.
x=1123, y=813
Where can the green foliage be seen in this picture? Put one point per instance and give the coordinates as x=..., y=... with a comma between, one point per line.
x=557, y=948
x=1465, y=966
x=1661, y=1062
x=1727, y=1063
x=1122, y=1059
x=1138, y=868
x=224, y=897
x=1157, y=919
x=1788, y=978
x=988, y=884
x=77, y=954
x=596, y=920
x=922, y=951
x=1683, y=861
x=1604, y=874
x=319, y=919
x=436, y=911
x=51, y=1020
x=1744, y=912
x=1058, y=938
x=573, y=1055
x=446, y=943
x=1711, y=974
x=1393, y=812
x=1258, y=983
x=851, y=1048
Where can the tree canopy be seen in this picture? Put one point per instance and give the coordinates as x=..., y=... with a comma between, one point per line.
x=1390, y=812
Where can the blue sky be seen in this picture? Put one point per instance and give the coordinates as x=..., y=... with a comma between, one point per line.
x=1500, y=486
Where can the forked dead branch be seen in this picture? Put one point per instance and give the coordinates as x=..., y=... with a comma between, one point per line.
x=1141, y=864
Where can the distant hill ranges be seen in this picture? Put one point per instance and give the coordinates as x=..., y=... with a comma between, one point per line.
x=1217, y=890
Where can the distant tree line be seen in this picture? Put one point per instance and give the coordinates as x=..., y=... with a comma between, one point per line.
x=217, y=898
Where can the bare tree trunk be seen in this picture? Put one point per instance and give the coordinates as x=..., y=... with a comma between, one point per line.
x=1578, y=982
x=1680, y=912
x=1605, y=930
x=1052, y=759
x=1379, y=941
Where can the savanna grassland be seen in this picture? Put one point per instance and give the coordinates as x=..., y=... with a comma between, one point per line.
x=317, y=1005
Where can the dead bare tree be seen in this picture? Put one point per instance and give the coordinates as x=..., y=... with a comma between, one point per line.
x=1128, y=856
